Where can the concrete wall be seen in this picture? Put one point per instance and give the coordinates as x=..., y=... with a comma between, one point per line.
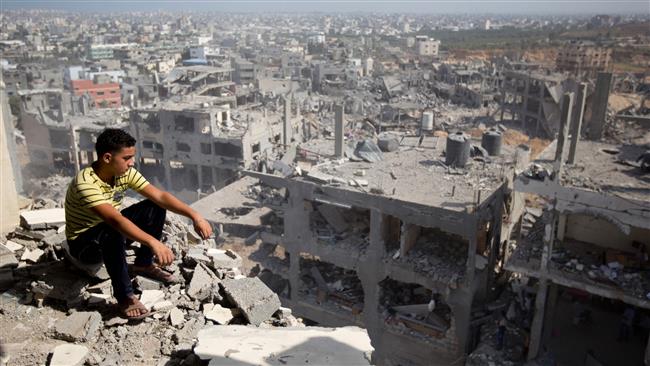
x=9, y=214
x=603, y=233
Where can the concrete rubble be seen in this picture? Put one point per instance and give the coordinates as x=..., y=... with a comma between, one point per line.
x=69, y=355
x=211, y=291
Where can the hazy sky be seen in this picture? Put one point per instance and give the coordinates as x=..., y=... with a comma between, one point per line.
x=412, y=6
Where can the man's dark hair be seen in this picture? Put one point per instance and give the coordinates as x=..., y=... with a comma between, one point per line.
x=112, y=140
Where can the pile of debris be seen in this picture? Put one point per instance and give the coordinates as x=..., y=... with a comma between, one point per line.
x=211, y=291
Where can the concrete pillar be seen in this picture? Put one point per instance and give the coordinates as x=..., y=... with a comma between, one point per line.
x=576, y=123
x=9, y=217
x=537, y=327
x=563, y=132
x=599, y=105
x=338, y=131
x=286, y=123
x=538, y=320
x=75, y=149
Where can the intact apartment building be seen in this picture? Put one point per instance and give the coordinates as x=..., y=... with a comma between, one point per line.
x=583, y=58
x=426, y=46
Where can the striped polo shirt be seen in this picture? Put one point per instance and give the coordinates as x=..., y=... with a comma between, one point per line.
x=87, y=190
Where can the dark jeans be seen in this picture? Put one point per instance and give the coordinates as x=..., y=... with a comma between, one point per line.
x=103, y=243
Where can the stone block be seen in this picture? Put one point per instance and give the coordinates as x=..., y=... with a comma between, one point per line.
x=203, y=284
x=255, y=300
x=81, y=326
x=32, y=256
x=227, y=259
x=69, y=355
x=388, y=144
x=218, y=314
x=163, y=305
x=7, y=257
x=41, y=219
x=145, y=283
x=150, y=297
x=13, y=246
x=176, y=317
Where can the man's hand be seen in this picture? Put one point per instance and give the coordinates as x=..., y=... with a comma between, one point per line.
x=202, y=227
x=164, y=255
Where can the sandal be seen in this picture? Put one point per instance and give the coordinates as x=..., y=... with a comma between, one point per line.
x=125, y=309
x=155, y=273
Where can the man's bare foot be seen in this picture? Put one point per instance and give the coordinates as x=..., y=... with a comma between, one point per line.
x=132, y=308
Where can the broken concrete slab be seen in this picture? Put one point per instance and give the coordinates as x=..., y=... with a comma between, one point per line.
x=163, y=305
x=7, y=258
x=42, y=219
x=32, y=256
x=151, y=297
x=203, y=283
x=239, y=345
x=144, y=283
x=80, y=326
x=195, y=256
x=69, y=355
x=13, y=246
x=176, y=317
x=219, y=314
x=227, y=259
x=255, y=300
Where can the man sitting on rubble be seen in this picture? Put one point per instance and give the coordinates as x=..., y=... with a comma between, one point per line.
x=96, y=231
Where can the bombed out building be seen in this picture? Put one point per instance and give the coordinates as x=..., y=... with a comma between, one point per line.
x=197, y=144
x=405, y=242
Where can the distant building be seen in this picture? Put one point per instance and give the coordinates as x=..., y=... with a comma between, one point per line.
x=584, y=59
x=103, y=95
x=426, y=46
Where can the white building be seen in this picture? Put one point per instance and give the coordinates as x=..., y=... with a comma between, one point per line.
x=426, y=46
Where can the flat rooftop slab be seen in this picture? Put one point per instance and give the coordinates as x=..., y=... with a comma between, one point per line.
x=238, y=345
x=609, y=169
x=418, y=173
x=232, y=205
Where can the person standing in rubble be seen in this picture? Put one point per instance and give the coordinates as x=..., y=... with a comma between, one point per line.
x=97, y=232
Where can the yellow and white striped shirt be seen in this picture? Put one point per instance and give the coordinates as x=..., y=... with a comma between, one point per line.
x=87, y=190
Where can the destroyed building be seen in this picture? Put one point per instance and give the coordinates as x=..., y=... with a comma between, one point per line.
x=197, y=144
x=407, y=246
x=57, y=139
x=581, y=252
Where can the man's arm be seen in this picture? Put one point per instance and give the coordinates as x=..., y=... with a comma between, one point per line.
x=114, y=218
x=167, y=201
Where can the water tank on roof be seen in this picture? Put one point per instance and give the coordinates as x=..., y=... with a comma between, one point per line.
x=458, y=149
x=427, y=121
x=491, y=142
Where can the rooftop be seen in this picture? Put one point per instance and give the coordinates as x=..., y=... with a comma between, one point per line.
x=418, y=174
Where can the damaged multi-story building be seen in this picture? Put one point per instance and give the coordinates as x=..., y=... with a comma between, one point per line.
x=197, y=144
x=408, y=246
x=60, y=130
x=581, y=250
